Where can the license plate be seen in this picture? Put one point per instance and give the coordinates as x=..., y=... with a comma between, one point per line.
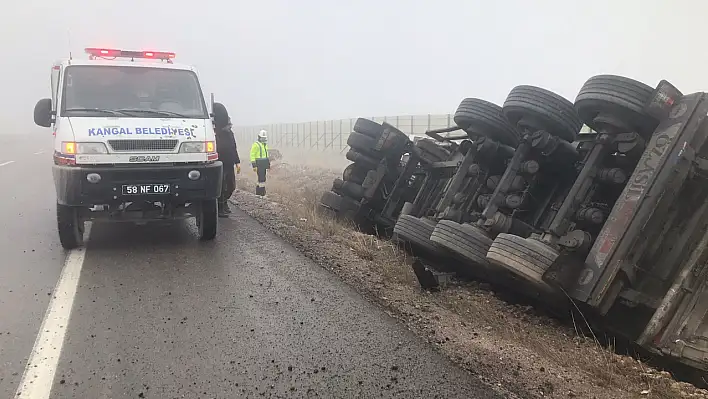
x=146, y=189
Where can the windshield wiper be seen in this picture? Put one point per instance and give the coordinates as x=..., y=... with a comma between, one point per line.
x=153, y=111
x=105, y=111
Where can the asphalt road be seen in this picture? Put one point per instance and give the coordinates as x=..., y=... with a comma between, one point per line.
x=157, y=314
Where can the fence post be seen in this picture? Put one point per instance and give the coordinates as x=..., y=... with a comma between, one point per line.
x=428, y=121
x=324, y=135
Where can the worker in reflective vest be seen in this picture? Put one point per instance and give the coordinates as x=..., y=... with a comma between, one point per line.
x=260, y=161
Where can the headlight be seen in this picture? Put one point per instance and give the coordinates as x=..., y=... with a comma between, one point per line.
x=91, y=148
x=198, y=146
x=194, y=146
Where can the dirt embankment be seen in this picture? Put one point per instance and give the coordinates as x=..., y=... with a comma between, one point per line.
x=505, y=344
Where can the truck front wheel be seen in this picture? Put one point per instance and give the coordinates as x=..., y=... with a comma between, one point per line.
x=207, y=220
x=70, y=226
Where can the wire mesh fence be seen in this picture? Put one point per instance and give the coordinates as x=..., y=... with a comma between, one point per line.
x=331, y=135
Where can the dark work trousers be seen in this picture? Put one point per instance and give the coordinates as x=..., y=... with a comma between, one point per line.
x=228, y=184
x=262, y=165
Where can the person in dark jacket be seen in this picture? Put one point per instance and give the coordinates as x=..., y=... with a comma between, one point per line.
x=228, y=155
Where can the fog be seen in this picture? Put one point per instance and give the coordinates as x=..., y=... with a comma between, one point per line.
x=275, y=61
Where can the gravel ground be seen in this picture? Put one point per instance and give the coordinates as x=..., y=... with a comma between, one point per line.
x=510, y=345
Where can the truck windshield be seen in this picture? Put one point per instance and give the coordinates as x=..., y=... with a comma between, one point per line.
x=138, y=92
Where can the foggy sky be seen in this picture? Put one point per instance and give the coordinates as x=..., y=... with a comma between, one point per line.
x=274, y=61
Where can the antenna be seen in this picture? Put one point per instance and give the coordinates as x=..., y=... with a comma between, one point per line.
x=68, y=33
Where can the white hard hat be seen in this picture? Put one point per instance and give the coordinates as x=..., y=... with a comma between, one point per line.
x=262, y=134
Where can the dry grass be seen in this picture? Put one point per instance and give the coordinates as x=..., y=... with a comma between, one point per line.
x=302, y=201
x=298, y=189
x=467, y=320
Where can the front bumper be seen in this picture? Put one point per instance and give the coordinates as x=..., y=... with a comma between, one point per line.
x=74, y=189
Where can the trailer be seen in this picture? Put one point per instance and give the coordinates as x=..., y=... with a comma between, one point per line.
x=600, y=205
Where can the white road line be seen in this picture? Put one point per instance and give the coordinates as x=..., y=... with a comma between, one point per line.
x=38, y=152
x=6, y=163
x=38, y=378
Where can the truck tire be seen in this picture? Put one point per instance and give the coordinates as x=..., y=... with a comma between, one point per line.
x=621, y=97
x=365, y=161
x=361, y=142
x=464, y=240
x=337, y=186
x=415, y=231
x=354, y=173
x=342, y=208
x=431, y=152
x=524, y=257
x=207, y=220
x=327, y=212
x=487, y=119
x=393, y=142
x=345, y=209
x=371, y=177
x=352, y=190
x=368, y=127
x=554, y=113
x=70, y=227
x=338, y=203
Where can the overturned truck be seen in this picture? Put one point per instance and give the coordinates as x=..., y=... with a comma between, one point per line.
x=615, y=219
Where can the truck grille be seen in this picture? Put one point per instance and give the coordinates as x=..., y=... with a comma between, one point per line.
x=143, y=145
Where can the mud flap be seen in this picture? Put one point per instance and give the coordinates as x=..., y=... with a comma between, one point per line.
x=429, y=278
x=563, y=272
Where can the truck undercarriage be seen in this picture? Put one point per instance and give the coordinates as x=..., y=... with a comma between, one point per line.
x=611, y=222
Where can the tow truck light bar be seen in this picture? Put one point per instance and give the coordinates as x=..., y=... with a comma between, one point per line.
x=113, y=53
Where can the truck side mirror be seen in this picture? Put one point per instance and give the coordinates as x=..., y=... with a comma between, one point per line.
x=43, y=112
